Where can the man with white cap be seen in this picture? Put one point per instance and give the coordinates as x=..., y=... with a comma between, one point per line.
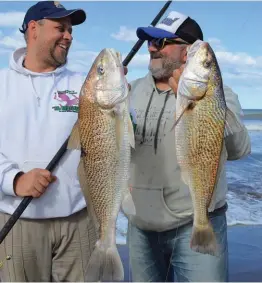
x=160, y=231
x=54, y=238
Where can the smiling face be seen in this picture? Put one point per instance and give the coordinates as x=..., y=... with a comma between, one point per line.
x=51, y=40
x=164, y=61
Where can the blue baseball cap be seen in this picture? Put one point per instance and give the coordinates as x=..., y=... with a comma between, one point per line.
x=173, y=26
x=52, y=10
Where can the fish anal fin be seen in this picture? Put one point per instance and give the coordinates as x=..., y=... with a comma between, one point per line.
x=74, y=139
x=185, y=177
x=128, y=203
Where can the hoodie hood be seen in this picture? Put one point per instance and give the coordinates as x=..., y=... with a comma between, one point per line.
x=16, y=64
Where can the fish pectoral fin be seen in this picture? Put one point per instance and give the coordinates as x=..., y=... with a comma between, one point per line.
x=127, y=203
x=131, y=132
x=74, y=139
x=190, y=105
x=185, y=177
x=85, y=190
x=232, y=124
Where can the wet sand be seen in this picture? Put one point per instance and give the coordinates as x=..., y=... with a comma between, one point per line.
x=245, y=254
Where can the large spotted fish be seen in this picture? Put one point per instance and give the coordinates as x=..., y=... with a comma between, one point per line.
x=104, y=134
x=202, y=122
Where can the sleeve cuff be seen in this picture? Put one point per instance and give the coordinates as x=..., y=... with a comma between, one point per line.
x=8, y=182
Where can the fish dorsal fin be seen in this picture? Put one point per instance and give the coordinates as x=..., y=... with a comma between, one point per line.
x=74, y=139
x=190, y=104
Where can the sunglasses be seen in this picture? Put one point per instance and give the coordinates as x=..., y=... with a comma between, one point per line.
x=160, y=43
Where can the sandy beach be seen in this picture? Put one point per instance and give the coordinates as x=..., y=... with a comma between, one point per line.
x=245, y=254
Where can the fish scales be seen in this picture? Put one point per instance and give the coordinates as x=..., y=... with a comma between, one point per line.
x=100, y=161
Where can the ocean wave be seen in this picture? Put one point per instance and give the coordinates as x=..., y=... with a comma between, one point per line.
x=252, y=115
x=244, y=209
x=254, y=127
x=244, y=223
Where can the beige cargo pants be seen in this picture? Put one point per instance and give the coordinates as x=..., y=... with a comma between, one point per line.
x=47, y=250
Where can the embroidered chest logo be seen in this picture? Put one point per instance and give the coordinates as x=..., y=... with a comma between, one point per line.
x=67, y=100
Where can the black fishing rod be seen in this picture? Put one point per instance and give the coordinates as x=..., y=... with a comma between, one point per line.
x=140, y=42
x=52, y=164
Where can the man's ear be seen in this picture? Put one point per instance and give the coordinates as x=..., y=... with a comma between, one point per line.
x=184, y=55
x=33, y=29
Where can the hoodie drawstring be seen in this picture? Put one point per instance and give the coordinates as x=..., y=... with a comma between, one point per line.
x=158, y=121
x=147, y=110
x=35, y=92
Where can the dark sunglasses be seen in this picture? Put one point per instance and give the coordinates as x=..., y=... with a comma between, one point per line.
x=160, y=43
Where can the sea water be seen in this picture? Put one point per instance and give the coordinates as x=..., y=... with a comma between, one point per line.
x=244, y=178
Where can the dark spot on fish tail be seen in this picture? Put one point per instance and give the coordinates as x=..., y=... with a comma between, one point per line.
x=191, y=105
x=83, y=153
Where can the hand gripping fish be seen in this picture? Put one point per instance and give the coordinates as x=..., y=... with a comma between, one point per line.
x=104, y=134
x=202, y=122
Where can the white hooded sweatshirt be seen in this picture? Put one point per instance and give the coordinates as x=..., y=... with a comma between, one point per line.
x=37, y=113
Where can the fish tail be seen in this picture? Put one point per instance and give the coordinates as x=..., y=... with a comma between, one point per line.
x=105, y=264
x=203, y=240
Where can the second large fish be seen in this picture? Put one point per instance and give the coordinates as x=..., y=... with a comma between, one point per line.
x=104, y=134
x=203, y=120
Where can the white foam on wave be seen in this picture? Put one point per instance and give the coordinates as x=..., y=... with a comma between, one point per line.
x=243, y=210
x=254, y=127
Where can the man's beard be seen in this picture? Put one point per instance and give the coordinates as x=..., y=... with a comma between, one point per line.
x=165, y=71
x=55, y=59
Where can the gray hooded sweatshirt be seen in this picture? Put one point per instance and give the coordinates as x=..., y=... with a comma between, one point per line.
x=162, y=200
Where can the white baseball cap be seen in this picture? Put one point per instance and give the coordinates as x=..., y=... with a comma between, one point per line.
x=173, y=26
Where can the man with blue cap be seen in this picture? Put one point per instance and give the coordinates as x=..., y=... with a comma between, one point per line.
x=159, y=233
x=54, y=238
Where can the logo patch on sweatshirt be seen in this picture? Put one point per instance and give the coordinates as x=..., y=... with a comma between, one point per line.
x=68, y=101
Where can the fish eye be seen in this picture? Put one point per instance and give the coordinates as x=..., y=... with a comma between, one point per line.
x=207, y=64
x=100, y=70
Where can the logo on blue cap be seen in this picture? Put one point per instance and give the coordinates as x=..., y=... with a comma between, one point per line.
x=58, y=5
x=52, y=10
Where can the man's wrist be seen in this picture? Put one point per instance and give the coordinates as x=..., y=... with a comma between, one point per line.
x=17, y=176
